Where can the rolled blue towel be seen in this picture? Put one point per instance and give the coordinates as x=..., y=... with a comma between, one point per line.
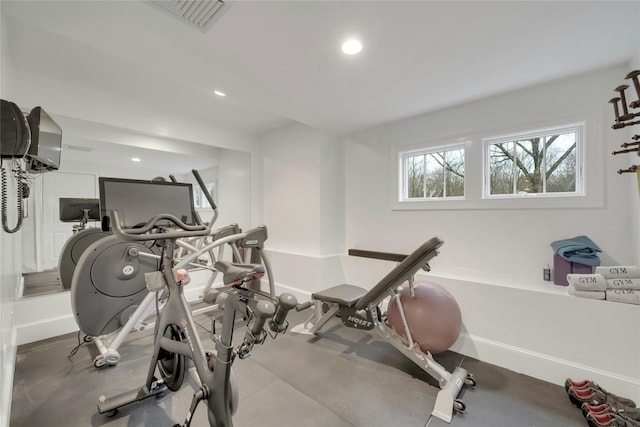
x=580, y=249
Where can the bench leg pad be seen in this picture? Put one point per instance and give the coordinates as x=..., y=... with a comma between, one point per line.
x=448, y=395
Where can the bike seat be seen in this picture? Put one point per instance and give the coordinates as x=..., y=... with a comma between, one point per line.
x=236, y=274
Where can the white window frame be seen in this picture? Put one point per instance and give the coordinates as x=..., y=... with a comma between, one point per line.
x=403, y=189
x=577, y=128
x=592, y=154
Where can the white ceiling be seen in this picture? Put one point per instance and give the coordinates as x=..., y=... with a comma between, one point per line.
x=280, y=61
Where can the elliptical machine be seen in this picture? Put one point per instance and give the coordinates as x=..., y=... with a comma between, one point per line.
x=73, y=210
x=176, y=338
x=106, y=274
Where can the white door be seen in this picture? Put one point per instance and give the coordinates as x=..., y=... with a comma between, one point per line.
x=55, y=232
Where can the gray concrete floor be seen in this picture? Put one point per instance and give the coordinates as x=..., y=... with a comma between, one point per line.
x=342, y=377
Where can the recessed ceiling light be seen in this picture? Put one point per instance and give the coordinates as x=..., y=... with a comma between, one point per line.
x=217, y=92
x=351, y=46
x=136, y=159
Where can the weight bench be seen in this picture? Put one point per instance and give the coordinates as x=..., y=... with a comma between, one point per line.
x=358, y=308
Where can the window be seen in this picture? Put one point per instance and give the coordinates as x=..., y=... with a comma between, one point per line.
x=199, y=199
x=432, y=173
x=545, y=162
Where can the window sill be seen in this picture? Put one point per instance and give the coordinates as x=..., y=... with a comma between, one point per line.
x=524, y=202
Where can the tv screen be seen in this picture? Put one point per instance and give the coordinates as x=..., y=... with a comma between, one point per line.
x=46, y=141
x=137, y=201
x=73, y=209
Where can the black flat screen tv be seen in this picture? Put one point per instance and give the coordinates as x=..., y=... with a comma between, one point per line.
x=73, y=209
x=46, y=142
x=137, y=201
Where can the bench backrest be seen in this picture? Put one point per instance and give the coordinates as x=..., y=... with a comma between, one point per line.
x=401, y=273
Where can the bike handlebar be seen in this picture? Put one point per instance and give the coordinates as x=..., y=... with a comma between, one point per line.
x=263, y=311
x=138, y=234
x=279, y=322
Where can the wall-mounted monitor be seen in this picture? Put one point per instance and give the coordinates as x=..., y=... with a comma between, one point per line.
x=74, y=209
x=46, y=142
x=137, y=201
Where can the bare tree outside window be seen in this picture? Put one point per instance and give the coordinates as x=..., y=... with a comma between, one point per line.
x=415, y=176
x=434, y=174
x=454, y=178
x=538, y=165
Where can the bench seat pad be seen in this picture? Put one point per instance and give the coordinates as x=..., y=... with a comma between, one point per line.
x=341, y=294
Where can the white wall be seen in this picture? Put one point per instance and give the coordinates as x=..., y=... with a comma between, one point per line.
x=10, y=275
x=292, y=181
x=303, y=206
x=302, y=184
x=492, y=259
x=234, y=189
x=9, y=280
x=481, y=242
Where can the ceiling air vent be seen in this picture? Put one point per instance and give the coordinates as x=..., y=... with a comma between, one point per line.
x=197, y=13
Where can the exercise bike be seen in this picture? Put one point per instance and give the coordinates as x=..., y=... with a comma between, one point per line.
x=176, y=337
x=108, y=291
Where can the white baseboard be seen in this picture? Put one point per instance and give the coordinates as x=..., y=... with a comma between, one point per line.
x=542, y=366
x=301, y=296
x=193, y=293
x=45, y=328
